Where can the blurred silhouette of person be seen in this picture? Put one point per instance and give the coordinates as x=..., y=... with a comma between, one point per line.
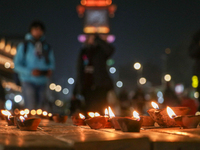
x=194, y=52
x=138, y=100
x=170, y=97
x=34, y=63
x=93, y=81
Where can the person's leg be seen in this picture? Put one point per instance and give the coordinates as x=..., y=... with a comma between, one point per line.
x=29, y=94
x=41, y=96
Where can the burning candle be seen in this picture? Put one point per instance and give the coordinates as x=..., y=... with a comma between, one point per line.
x=21, y=118
x=106, y=113
x=9, y=118
x=154, y=105
x=78, y=120
x=171, y=113
x=111, y=114
x=136, y=115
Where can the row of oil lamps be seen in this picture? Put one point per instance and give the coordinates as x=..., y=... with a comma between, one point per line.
x=167, y=117
x=29, y=120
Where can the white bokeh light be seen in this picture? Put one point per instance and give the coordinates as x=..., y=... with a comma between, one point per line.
x=119, y=84
x=70, y=81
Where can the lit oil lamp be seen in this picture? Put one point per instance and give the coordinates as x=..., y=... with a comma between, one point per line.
x=185, y=121
x=60, y=118
x=114, y=119
x=78, y=120
x=28, y=124
x=131, y=124
x=96, y=121
x=108, y=115
x=161, y=116
x=8, y=117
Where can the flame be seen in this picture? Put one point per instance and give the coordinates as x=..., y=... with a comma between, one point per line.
x=91, y=114
x=170, y=112
x=26, y=111
x=106, y=112
x=136, y=116
x=155, y=105
x=33, y=112
x=81, y=116
x=45, y=113
x=25, y=116
x=22, y=112
x=39, y=111
x=22, y=119
x=96, y=114
x=111, y=114
x=50, y=115
x=6, y=113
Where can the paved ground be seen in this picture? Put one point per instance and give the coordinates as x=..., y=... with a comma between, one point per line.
x=52, y=136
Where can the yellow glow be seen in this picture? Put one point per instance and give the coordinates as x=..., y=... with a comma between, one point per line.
x=59, y=103
x=170, y=112
x=96, y=114
x=106, y=112
x=6, y=113
x=39, y=111
x=52, y=86
x=91, y=29
x=111, y=114
x=8, y=48
x=196, y=94
x=13, y=51
x=58, y=88
x=195, y=81
x=136, y=115
x=91, y=114
x=2, y=44
x=26, y=111
x=137, y=66
x=22, y=118
x=45, y=113
x=81, y=116
x=7, y=65
x=33, y=112
x=50, y=115
x=97, y=3
x=167, y=77
x=142, y=81
x=154, y=105
x=22, y=112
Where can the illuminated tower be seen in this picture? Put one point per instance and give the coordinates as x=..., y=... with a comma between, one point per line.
x=96, y=15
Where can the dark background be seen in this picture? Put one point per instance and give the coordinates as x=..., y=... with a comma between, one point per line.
x=143, y=30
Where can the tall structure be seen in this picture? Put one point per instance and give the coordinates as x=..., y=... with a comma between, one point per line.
x=96, y=15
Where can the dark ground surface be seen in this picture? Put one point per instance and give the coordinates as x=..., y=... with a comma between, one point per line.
x=57, y=136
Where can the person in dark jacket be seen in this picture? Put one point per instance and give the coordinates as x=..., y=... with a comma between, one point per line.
x=194, y=52
x=93, y=80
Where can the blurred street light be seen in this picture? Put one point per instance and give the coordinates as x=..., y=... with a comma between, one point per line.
x=65, y=91
x=167, y=77
x=119, y=84
x=142, y=81
x=112, y=70
x=71, y=81
x=58, y=88
x=137, y=66
x=52, y=86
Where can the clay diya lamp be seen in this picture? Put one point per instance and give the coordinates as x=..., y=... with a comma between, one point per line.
x=147, y=121
x=162, y=118
x=28, y=124
x=78, y=120
x=8, y=117
x=130, y=124
x=96, y=121
x=187, y=121
x=59, y=118
x=108, y=115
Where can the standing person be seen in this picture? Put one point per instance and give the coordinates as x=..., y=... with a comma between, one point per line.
x=34, y=63
x=93, y=80
x=194, y=52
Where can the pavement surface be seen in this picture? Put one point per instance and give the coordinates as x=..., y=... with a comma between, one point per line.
x=55, y=136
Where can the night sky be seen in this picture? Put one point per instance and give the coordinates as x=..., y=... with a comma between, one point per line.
x=143, y=28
